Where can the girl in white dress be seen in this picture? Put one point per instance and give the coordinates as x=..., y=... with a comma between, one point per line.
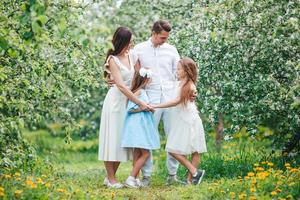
x=186, y=136
x=119, y=68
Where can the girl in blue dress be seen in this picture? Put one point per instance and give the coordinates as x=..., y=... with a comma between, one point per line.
x=139, y=131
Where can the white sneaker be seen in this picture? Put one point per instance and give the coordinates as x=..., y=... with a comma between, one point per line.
x=105, y=182
x=131, y=182
x=115, y=185
x=138, y=182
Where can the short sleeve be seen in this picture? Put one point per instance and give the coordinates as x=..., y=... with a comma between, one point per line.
x=132, y=106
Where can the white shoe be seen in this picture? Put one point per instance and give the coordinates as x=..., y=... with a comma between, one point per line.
x=105, y=182
x=115, y=185
x=138, y=182
x=131, y=182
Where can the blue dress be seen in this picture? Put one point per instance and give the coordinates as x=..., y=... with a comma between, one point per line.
x=139, y=129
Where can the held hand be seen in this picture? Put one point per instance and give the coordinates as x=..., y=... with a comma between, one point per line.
x=109, y=82
x=143, y=106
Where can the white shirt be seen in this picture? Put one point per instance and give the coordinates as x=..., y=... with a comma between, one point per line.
x=162, y=60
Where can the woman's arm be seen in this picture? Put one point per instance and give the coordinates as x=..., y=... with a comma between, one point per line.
x=116, y=74
x=168, y=104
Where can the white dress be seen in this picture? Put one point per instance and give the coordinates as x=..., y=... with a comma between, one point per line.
x=186, y=134
x=112, y=117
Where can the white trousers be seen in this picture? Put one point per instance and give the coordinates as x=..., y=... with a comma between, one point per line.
x=164, y=115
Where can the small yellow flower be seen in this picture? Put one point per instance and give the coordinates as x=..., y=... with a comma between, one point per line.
x=253, y=181
x=7, y=176
x=232, y=194
x=252, y=189
x=253, y=198
x=17, y=174
x=270, y=164
x=18, y=193
x=250, y=174
x=263, y=162
x=18, y=179
x=287, y=164
x=61, y=190
x=294, y=170
x=242, y=196
x=260, y=169
x=48, y=185
x=39, y=180
x=1, y=189
x=113, y=195
x=247, y=177
x=2, y=194
x=273, y=193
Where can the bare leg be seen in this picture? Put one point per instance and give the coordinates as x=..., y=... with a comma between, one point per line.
x=116, y=166
x=139, y=163
x=110, y=170
x=185, y=162
x=136, y=155
x=195, y=163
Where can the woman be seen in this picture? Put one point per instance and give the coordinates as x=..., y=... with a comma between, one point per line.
x=119, y=67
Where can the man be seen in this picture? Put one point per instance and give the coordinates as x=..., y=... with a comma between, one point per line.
x=162, y=59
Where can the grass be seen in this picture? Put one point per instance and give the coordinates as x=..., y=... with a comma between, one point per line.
x=246, y=168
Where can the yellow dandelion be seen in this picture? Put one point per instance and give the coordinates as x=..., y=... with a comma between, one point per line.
x=18, y=193
x=232, y=194
x=250, y=174
x=253, y=181
x=242, y=196
x=17, y=174
x=61, y=190
x=39, y=180
x=294, y=170
x=273, y=193
x=270, y=164
x=113, y=195
x=287, y=164
x=48, y=185
x=252, y=198
x=260, y=169
x=252, y=189
x=7, y=176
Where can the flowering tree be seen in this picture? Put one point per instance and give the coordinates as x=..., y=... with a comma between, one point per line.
x=248, y=56
x=50, y=66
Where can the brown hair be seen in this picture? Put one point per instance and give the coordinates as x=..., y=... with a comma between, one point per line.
x=190, y=69
x=138, y=81
x=161, y=25
x=120, y=41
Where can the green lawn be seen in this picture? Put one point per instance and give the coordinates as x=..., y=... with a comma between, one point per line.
x=72, y=171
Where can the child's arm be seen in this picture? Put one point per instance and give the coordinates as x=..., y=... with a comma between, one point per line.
x=137, y=93
x=168, y=104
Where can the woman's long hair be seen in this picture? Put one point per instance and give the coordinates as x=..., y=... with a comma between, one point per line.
x=120, y=41
x=190, y=69
x=138, y=81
